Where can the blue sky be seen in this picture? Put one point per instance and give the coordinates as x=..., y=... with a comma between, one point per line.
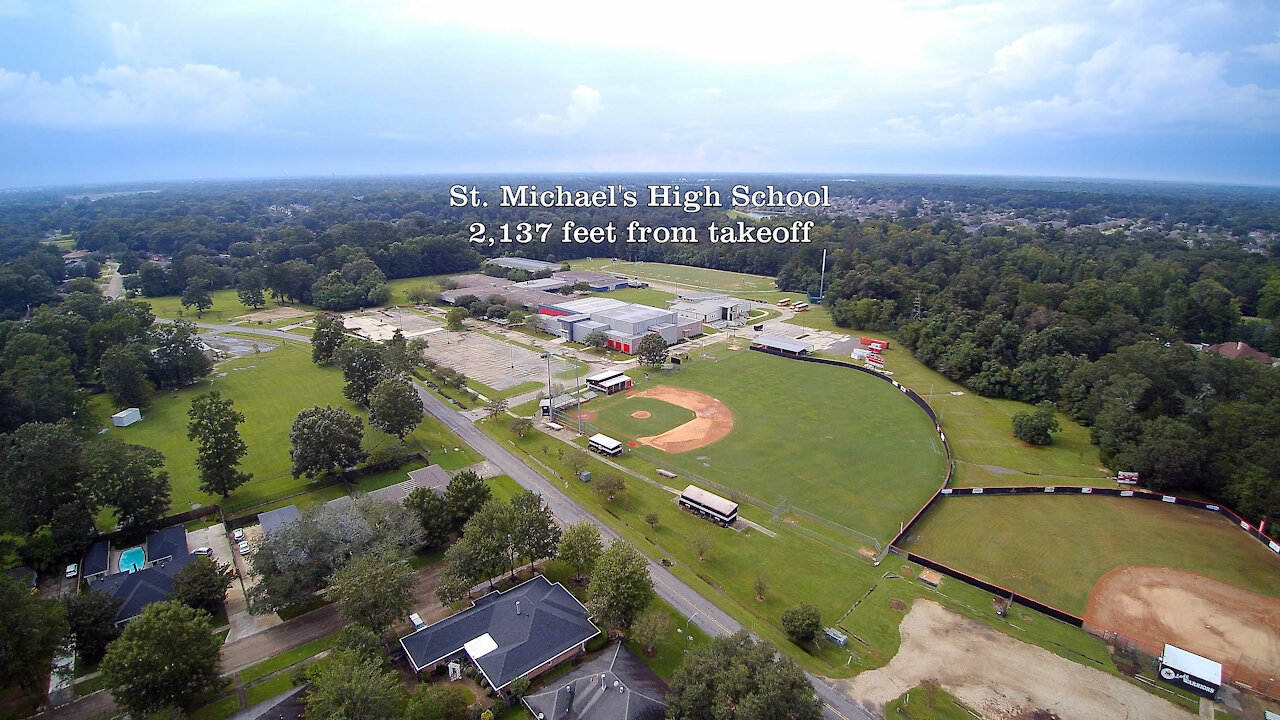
x=111, y=90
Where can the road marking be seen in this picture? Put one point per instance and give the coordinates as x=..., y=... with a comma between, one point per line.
x=833, y=709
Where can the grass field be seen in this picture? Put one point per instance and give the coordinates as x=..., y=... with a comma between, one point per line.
x=833, y=581
x=270, y=389
x=927, y=703
x=979, y=429
x=837, y=443
x=1055, y=548
x=681, y=275
x=642, y=296
x=663, y=417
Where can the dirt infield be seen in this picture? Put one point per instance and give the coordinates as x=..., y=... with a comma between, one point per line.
x=280, y=313
x=642, y=415
x=712, y=420
x=999, y=676
x=1159, y=605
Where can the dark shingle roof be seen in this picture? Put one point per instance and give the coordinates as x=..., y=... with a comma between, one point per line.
x=550, y=622
x=95, y=559
x=275, y=519
x=139, y=589
x=166, y=543
x=630, y=691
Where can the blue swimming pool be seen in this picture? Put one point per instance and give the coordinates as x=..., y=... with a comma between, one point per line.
x=133, y=559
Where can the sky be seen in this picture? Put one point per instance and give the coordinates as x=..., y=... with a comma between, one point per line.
x=137, y=90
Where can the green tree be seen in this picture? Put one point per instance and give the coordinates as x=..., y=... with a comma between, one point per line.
x=324, y=440
x=596, y=339
x=437, y=702
x=197, y=295
x=761, y=588
x=213, y=426
x=650, y=628
x=702, y=543
x=495, y=408
x=620, y=587
x=536, y=533
x=651, y=519
x=124, y=375
x=363, y=367
x=373, y=591
x=348, y=685
x=465, y=494
x=164, y=658
x=521, y=426
x=652, y=350
x=178, y=358
x=580, y=546
x=203, y=584
x=129, y=479
x=327, y=339
x=760, y=684
x=35, y=628
x=432, y=512
x=491, y=531
x=454, y=319
x=1036, y=427
x=609, y=486
x=801, y=622
x=394, y=407
x=91, y=617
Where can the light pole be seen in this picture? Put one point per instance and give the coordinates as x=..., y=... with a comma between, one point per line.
x=577, y=391
x=551, y=406
x=686, y=631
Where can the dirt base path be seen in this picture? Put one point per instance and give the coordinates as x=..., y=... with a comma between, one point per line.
x=712, y=420
x=999, y=676
x=1159, y=605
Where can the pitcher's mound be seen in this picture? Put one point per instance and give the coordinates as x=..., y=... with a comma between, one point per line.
x=641, y=415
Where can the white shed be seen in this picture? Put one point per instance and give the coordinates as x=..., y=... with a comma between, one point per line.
x=126, y=417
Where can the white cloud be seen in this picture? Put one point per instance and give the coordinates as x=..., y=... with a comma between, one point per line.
x=1267, y=51
x=192, y=97
x=124, y=38
x=584, y=104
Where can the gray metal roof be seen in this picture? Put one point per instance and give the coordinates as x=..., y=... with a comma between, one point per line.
x=95, y=559
x=169, y=542
x=273, y=520
x=550, y=621
x=635, y=313
x=431, y=476
x=629, y=691
x=781, y=343
x=523, y=264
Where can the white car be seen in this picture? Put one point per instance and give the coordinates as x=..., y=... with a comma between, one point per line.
x=205, y=551
x=243, y=547
x=73, y=570
x=237, y=535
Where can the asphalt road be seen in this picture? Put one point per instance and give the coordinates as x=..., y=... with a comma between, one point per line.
x=687, y=602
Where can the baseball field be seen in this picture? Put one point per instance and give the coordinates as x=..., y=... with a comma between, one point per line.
x=837, y=443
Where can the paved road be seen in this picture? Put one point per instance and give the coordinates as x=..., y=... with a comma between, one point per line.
x=674, y=591
x=265, y=332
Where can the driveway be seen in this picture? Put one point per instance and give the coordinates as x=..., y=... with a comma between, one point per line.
x=215, y=538
x=245, y=623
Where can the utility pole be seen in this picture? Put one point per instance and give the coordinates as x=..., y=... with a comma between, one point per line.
x=822, y=281
x=686, y=631
x=551, y=406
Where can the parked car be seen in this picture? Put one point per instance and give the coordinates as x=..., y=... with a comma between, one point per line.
x=237, y=535
x=205, y=551
x=243, y=547
x=73, y=570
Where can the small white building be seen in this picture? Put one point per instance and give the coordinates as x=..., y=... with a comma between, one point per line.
x=126, y=417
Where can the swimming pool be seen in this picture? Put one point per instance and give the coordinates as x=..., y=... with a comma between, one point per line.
x=133, y=559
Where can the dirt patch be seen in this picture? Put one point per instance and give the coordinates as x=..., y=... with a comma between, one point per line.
x=999, y=676
x=280, y=313
x=896, y=604
x=641, y=415
x=1159, y=605
x=585, y=415
x=711, y=422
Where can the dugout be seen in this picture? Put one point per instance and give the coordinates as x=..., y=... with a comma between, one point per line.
x=1200, y=675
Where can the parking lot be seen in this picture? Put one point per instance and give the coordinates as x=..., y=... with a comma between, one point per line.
x=498, y=364
x=380, y=324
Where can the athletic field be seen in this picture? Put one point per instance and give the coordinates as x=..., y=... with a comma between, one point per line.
x=835, y=442
x=1055, y=548
x=694, y=278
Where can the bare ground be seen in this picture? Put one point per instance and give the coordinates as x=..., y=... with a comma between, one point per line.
x=999, y=676
x=712, y=420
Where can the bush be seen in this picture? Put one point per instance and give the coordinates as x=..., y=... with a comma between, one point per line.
x=801, y=622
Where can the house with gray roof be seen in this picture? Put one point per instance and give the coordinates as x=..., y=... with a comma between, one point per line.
x=520, y=632
x=615, y=685
x=273, y=520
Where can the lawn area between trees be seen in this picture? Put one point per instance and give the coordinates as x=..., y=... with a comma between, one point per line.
x=270, y=389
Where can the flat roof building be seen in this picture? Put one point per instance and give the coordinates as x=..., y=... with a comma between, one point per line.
x=783, y=344
x=517, y=263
